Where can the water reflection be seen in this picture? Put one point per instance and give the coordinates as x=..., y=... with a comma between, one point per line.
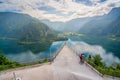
x=83, y=47
x=18, y=53
x=30, y=57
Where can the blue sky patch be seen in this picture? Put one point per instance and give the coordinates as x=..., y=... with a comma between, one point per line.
x=86, y=2
x=51, y=10
x=47, y=8
x=58, y=13
x=102, y=0
x=1, y=2
x=10, y=11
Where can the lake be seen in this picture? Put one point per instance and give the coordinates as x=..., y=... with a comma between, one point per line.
x=107, y=44
x=24, y=54
x=108, y=49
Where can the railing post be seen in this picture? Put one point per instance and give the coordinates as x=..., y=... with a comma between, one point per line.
x=14, y=75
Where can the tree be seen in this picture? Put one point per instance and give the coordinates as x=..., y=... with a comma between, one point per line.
x=118, y=66
x=97, y=60
x=89, y=57
x=3, y=59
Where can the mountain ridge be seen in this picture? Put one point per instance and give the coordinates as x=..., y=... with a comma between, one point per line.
x=90, y=25
x=102, y=25
x=17, y=25
x=21, y=32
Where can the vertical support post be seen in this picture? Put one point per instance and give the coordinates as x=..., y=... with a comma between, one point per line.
x=14, y=75
x=50, y=53
x=114, y=65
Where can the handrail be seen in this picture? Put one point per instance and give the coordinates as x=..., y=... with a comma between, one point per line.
x=31, y=66
x=25, y=67
x=94, y=69
x=102, y=75
x=89, y=65
x=57, y=52
x=11, y=71
x=1, y=72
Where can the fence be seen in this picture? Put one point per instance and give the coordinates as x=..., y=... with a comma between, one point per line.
x=71, y=45
x=57, y=52
x=11, y=76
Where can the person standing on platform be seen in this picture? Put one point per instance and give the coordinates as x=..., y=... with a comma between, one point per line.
x=81, y=58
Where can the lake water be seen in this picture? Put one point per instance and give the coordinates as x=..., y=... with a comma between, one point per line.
x=22, y=54
x=107, y=44
x=108, y=49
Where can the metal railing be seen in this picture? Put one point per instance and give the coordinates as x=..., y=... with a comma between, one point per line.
x=57, y=52
x=72, y=47
x=13, y=76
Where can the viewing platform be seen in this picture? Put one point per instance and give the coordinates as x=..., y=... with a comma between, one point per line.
x=66, y=66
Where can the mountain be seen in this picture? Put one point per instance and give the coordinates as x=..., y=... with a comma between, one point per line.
x=113, y=29
x=97, y=25
x=103, y=25
x=21, y=33
x=70, y=26
x=22, y=27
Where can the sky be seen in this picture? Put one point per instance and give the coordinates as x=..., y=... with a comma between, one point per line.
x=59, y=10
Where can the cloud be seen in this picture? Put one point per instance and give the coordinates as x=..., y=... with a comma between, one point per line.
x=60, y=10
x=82, y=47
